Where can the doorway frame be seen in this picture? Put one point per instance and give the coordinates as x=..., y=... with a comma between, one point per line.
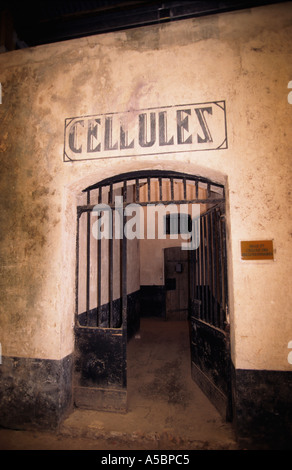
x=147, y=175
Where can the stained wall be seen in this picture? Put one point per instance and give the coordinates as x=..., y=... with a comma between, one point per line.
x=243, y=58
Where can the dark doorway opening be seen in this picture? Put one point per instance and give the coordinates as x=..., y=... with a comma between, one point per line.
x=112, y=300
x=176, y=269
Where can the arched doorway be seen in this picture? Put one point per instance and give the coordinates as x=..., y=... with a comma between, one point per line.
x=118, y=215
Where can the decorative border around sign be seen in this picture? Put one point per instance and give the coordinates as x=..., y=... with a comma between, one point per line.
x=179, y=117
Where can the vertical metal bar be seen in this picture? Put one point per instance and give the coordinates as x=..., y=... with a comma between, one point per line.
x=110, y=194
x=197, y=190
x=224, y=262
x=124, y=292
x=125, y=194
x=214, y=269
x=193, y=253
x=99, y=270
x=192, y=271
x=202, y=311
x=210, y=268
x=220, y=268
x=208, y=190
x=124, y=267
x=198, y=263
x=197, y=278
x=88, y=262
x=110, y=260
x=137, y=190
x=160, y=189
x=149, y=189
x=171, y=189
x=202, y=271
x=185, y=188
x=77, y=270
x=206, y=298
x=195, y=240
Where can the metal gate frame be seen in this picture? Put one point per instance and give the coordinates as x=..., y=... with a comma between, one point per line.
x=210, y=329
x=100, y=377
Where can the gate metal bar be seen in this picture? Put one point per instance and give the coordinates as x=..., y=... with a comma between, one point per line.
x=90, y=207
x=209, y=269
x=153, y=174
x=99, y=269
x=88, y=260
x=110, y=277
x=124, y=265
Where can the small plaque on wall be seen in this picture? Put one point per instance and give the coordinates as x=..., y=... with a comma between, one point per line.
x=257, y=250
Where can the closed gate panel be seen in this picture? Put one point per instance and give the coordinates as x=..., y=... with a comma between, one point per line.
x=100, y=369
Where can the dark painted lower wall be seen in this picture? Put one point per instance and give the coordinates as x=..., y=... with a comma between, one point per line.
x=38, y=393
x=35, y=393
x=134, y=313
x=102, y=319
x=262, y=408
x=149, y=301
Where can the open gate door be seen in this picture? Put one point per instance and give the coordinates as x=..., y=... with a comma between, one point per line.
x=100, y=367
x=210, y=346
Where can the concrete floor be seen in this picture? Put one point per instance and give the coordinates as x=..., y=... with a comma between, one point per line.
x=166, y=409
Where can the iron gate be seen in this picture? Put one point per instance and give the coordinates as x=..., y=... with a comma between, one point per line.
x=107, y=312
x=210, y=339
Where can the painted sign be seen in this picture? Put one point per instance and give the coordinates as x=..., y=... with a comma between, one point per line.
x=172, y=129
x=257, y=250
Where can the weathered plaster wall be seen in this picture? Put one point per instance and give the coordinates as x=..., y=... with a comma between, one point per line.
x=243, y=58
